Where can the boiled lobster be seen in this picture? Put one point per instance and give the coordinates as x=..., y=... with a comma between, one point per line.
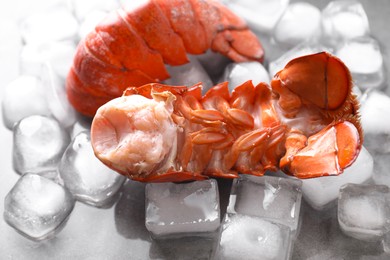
x=131, y=47
x=306, y=124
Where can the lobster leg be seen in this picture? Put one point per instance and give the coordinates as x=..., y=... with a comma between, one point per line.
x=326, y=153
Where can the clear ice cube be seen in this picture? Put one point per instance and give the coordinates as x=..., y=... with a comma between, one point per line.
x=271, y=198
x=56, y=97
x=364, y=59
x=37, y=207
x=213, y=63
x=24, y=96
x=58, y=54
x=38, y=144
x=238, y=73
x=82, y=124
x=262, y=15
x=184, y=209
x=86, y=177
x=53, y=24
x=381, y=168
x=364, y=211
x=247, y=237
x=375, y=121
x=321, y=192
x=344, y=20
x=189, y=74
x=300, y=22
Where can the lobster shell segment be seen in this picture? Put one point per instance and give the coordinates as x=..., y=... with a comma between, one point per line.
x=131, y=47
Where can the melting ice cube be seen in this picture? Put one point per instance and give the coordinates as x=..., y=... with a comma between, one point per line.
x=24, y=96
x=246, y=237
x=272, y=198
x=238, y=73
x=300, y=22
x=321, y=192
x=364, y=211
x=39, y=142
x=176, y=210
x=37, y=207
x=87, y=178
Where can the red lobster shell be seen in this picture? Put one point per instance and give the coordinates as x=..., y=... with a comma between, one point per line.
x=131, y=47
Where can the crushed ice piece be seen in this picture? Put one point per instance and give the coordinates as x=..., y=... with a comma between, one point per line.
x=364, y=59
x=54, y=24
x=38, y=144
x=375, y=121
x=271, y=198
x=183, y=209
x=87, y=178
x=247, y=237
x=321, y=192
x=364, y=211
x=238, y=73
x=301, y=21
x=22, y=97
x=90, y=21
x=261, y=15
x=58, y=54
x=56, y=97
x=189, y=74
x=37, y=207
x=344, y=20
x=83, y=8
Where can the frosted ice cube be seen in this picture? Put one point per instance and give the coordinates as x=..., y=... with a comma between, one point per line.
x=58, y=54
x=375, y=121
x=189, y=74
x=54, y=24
x=24, y=96
x=262, y=15
x=85, y=7
x=87, y=178
x=321, y=192
x=343, y=20
x=238, y=73
x=300, y=22
x=364, y=59
x=56, y=97
x=271, y=198
x=246, y=237
x=38, y=144
x=90, y=21
x=381, y=168
x=37, y=207
x=177, y=210
x=363, y=211
x=305, y=48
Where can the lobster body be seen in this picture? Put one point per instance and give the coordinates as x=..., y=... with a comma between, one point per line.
x=306, y=124
x=131, y=47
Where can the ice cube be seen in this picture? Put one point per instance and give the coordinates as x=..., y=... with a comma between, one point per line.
x=364, y=59
x=375, y=121
x=321, y=192
x=304, y=48
x=386, y=243
x=189, y=74
x=83, y=8
x=38, y=144
x=300, y=22
x=344, y=20
x=238, y=73
x=90, y=21
x=87, y=178
x=58, y=54
x=82, y=124
x=56, y=97
x=24, y=96
x=53, y=24
x=262, y=15
x=247, y=237
x=185, y=209
x=381, y=168
x=364, y=211
x=37, y=207
x=213, y=63
x=271, y=198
